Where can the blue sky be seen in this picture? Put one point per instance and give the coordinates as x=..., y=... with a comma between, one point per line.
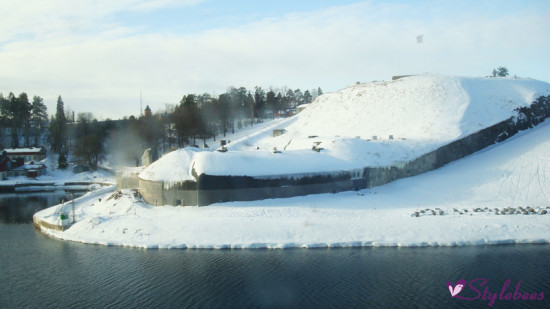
x=100, y=54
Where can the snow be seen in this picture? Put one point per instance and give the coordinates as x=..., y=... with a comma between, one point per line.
x=23, y=150
x=173, y=166
x=505, y=176
x=59, y=177
x=421, y=113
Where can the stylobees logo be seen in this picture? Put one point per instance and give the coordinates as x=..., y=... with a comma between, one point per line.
x=482, y=291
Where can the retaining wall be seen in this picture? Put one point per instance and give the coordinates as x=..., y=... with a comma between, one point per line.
x=127, y=178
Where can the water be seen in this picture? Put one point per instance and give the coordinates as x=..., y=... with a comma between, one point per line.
x=38, y=271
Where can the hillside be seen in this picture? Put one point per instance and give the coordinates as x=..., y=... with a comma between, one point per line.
x=420, y=113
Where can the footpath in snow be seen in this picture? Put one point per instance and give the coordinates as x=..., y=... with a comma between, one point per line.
x=498, y=195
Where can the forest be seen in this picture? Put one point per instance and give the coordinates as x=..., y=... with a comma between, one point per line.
x=81, y=138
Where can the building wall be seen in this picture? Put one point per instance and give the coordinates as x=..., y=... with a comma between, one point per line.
x=152, y=192
x=127, y=180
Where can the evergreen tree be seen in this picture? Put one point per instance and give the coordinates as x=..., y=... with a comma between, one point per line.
x=224, y=103
x=271, y=102
x=307, y=97
x=259, y=102
x=62, y=161
x=298, y=98
x=58, y=133
x=3, y=119
x=39, y=117
x=11, y=116
x=502, y=71
x=24, y=116
x=250, y=103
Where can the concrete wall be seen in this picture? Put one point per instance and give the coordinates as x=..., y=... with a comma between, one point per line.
x=152, y=192
x=127, y=180
x=213, y=189
x=157, y=194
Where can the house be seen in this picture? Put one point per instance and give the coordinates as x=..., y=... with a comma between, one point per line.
x=28, y=154
x=31, y=170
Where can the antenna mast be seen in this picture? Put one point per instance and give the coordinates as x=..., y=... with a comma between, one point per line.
x=140, y=105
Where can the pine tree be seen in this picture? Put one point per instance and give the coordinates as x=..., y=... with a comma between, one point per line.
x=58, y=133
x=502, y=71
x=39, y=116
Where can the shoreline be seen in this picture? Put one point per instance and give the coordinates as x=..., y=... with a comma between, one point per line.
x=512, y=176
x=118, y=218
x=50, y=186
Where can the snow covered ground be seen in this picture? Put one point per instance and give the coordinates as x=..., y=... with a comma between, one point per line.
x=56, y=179
x=469, y=201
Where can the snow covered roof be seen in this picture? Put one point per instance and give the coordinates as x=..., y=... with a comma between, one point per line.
x=30, y=150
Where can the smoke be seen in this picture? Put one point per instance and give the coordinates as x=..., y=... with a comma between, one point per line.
x=125, y=146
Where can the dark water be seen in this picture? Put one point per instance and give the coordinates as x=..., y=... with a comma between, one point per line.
x=40, y=272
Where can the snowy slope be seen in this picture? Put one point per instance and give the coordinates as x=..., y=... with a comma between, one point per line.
x=422, y=113
x=417, y=107
x=512, y=174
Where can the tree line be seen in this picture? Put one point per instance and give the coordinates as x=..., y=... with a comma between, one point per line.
x=22, y=120
x=196, y=117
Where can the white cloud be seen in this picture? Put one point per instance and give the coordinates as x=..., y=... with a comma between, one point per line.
x=39, y=20
x=330, y=48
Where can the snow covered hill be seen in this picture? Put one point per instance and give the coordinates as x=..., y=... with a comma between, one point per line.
x=353, y=127
x=421, y=113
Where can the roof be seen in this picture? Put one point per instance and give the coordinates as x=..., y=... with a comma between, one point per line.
x=27, y=167
x=30, y=150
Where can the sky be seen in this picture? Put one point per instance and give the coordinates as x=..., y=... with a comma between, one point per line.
x=99, y=55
